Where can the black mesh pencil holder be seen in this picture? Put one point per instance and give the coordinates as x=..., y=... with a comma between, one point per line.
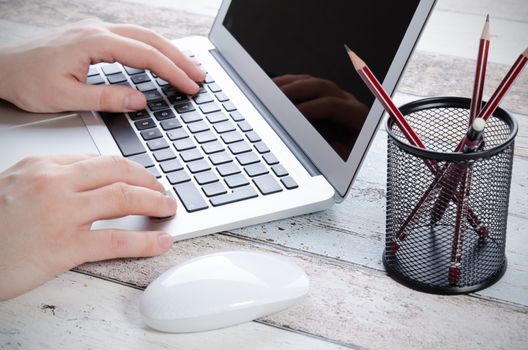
x=446, y=211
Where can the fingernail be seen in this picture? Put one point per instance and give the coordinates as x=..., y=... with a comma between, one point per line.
x=172, y=203
x=164, y=241
x=134, y=102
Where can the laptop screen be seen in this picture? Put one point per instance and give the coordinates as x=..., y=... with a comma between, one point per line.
x=299, y=45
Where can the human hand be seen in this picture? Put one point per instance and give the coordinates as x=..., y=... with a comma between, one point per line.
x=48, y=74
x=47, y=207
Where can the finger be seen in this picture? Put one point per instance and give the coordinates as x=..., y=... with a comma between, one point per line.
x=289, y=78
x=109, y=244
x=163, y=45
x=112, y=47
x=105, y=170
x=108, y=98
x=120, y=199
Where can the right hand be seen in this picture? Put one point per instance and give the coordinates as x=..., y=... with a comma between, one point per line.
x=47, y=207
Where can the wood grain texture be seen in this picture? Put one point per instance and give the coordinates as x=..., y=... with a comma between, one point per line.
x=74, y=311
x=354, y=305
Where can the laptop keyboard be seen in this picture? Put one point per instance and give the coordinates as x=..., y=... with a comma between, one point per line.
x=202, y=144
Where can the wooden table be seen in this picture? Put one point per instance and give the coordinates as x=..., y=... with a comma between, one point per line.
x=352, y=302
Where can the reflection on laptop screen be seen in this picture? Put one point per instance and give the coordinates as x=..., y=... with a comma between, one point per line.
x=299, y=44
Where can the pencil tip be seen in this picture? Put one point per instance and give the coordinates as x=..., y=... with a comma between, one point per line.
x=525, y=53
x=356, y=61
x=487, y=17
x=347, y=48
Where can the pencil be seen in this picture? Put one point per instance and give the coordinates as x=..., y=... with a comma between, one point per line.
x=480, y=72
x=504, y=86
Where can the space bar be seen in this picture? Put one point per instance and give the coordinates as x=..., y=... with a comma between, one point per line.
x=123, y=134
x=238, y=194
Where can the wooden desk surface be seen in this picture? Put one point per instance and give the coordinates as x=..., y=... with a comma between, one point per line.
x=352, y=302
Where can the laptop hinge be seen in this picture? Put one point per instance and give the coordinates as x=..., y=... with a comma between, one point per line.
x=268, y=116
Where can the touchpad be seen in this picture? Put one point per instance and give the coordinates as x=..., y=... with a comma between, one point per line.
x=57, y=134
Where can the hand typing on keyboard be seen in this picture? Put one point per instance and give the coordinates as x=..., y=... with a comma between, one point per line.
x=48, y=204
x=48, y=74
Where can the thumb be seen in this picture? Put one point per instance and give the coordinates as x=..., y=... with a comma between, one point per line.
x=110, y=244
x=107, y=98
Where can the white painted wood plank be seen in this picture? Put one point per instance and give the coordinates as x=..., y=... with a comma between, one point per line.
x=82, y=312
x=357, y=306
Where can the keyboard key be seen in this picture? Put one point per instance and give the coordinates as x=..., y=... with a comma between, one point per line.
x=154, y=171
x=202, y=98
x=143, y=159
x=165, y=114
x=157, y=105
x=212, y=147
x=157, y=144
x=116, y=78
x=132, y=71
x=153, y=95
x=184, y=144
x=190, y=196
x=216, y=117
x=208, y=79
x=191, y=154
x=206, y=136
x=214, y=87
x=184, y=107
x=197, y=166
x=123, y=134
x=289, y=182
x=279, y=170
x=238, y=194
x=142, y=114
x=224, y=127
x=109, y=69
x=244, y=126
x=177, y=134
x=124, y=83
x=179, y=98
x=171, y=165
x=229, y=106
x=198, y=127
x=205, y=177
x=145, y=124
x=220, y=158
x=209, y=108
x=270, y=159
x=150, y=134
x=164, y=154
x=253, y=137
x=161, y=82
x=256, y=169
x=267, y=184
x=261, y=147
x=247, y=158
x=178, y=177
x=140, y=78
x=191, y=117
x=92, y=71
x=228, y=169
x=239, y=147
x=170, y=124
x=146, y=86
x=214, y=189
x=221, y=97
x=231, y=137
x=236, y=180
x=236, y=116
x=95, y=80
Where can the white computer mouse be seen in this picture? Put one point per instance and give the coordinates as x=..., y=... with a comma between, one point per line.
x=220, y=290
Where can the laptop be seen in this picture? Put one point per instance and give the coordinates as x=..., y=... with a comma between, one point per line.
x=280, y=125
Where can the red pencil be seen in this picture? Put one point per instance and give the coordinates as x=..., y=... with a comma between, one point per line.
x=480, y=72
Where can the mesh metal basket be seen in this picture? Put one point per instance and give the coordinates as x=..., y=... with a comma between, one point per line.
x=446, y=225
